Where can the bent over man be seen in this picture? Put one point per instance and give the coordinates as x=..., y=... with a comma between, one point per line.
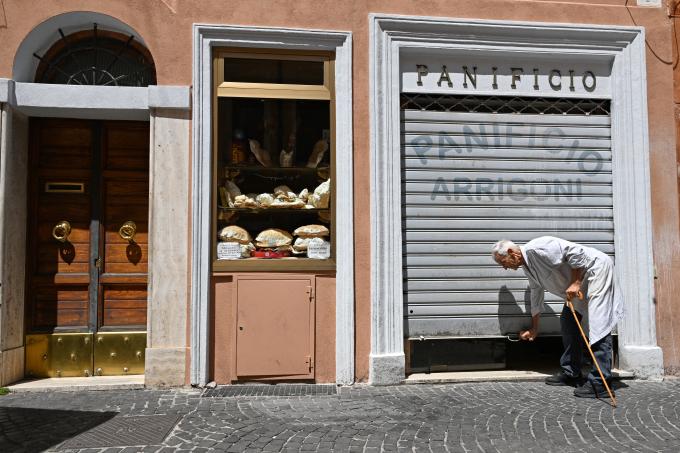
x=564, y=269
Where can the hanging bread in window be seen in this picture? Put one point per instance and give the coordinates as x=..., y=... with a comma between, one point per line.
x=262, y=155
x=264, y=199
x=284, y=193
x=232, y=188
x=286, y=158
x=272, y=238
x=321, y=196
x=228, y=193
x=311, y=231
x=244, y=201
x=234, y=233
x=318, y=151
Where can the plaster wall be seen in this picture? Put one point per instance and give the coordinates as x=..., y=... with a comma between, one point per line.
x=155, y=22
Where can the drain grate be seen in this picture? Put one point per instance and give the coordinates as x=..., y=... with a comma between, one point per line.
x=125, y=432
x=271, y=390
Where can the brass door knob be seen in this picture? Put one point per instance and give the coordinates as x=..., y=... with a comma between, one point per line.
x=61, y=231
x=128, y=231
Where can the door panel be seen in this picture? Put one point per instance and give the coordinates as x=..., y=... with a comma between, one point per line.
x=127, y=147
x=126, y=198
x=275, y=328
x=61, y=306
x=124, y=305
x=59, y=271
x=94, y=175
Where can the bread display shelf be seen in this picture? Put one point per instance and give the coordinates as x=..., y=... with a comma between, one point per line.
x=275, y=264
x=259, y=169
x=271, y=210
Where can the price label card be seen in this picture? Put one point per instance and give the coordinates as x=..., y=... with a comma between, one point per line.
x=228, y=251
x=319, y=249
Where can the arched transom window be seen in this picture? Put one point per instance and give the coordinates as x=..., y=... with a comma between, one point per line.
x=97, y=57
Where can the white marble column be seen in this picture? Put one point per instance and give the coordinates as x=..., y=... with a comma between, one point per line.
x=167, y=351
x=638, y=350
x=13, y=172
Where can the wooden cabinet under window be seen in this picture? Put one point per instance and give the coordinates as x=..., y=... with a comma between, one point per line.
x=275, y=327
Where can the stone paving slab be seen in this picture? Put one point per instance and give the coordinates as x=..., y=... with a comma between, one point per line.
x=135, y=381
x=492, y=376
x=471, y=417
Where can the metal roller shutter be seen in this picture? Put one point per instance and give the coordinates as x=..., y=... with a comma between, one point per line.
x=470, y=179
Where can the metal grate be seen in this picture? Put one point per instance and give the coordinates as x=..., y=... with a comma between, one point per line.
x=271, y=390
x=503, y=104
x=96, y=57
x=125, y=432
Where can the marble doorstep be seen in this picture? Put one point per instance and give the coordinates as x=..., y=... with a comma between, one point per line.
x=490, y=376
x=67, y=384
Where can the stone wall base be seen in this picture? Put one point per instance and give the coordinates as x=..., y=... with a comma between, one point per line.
x=11, y=365
x=386, y=369
x=165, y=367
x=645, y=361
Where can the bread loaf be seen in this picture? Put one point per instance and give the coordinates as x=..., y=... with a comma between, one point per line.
x=233, y=233
x=273, y=237
x=311, y=231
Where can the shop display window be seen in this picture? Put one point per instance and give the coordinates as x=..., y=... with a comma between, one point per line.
x=273, y=162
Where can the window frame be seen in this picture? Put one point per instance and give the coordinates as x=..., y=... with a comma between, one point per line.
x=271, y=91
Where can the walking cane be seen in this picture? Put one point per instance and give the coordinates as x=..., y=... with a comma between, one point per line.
x=585, y=339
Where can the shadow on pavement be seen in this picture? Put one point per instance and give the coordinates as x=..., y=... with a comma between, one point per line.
x=34, y=430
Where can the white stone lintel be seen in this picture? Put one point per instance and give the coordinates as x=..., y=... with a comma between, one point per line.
x=6, y=90
x=169, y=97
x=386, y=369
x=92, y=102
x=645, y=361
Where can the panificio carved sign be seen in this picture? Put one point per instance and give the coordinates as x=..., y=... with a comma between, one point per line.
x=555, y=78
x=522, y=75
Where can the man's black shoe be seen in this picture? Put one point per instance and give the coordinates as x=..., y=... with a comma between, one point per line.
x=562, y=379
x=588, y=390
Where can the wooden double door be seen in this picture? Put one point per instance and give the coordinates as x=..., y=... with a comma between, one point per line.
x=87, y=232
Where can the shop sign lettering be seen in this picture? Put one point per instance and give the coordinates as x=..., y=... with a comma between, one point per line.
x=587, y=163
x=513, y=77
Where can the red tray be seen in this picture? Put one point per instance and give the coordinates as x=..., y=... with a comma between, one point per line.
x=269, y=254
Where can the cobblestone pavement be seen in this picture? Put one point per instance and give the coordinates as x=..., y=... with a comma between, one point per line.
x=480, y=417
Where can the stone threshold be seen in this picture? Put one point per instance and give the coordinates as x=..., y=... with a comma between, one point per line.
x=490, y=376
x=72, y=384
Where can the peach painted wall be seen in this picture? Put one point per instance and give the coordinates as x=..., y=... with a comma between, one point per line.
x=165, y=25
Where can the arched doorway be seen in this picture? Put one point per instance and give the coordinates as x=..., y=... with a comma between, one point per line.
x=87, y=254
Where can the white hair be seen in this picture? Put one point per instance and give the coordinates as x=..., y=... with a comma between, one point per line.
x=501, y=247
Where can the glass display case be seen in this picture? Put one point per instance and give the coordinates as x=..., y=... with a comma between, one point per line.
x=273, y=162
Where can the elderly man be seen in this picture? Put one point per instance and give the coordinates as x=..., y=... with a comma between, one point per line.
x=566, y=269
